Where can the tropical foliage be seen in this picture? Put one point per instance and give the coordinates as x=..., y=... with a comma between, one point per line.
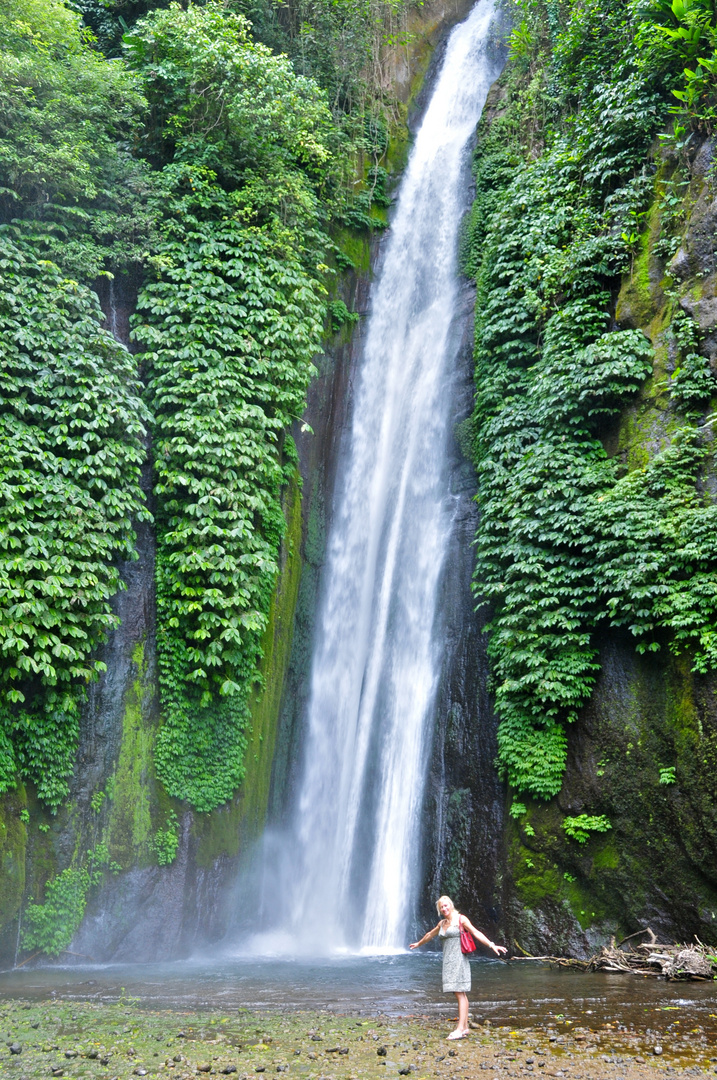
x=568, y=539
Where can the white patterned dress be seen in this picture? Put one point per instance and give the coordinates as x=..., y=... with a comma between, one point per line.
x=456, y=968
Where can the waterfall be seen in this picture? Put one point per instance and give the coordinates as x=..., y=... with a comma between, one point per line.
x=348, y=863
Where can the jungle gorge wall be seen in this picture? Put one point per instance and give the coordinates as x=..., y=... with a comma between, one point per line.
x=594, y=222
x=142, y=871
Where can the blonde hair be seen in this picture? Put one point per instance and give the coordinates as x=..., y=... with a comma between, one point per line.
x=441, y=900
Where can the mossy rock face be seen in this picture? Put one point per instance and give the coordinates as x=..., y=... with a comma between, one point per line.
x=649, y=719
x=644, y=751
x=13, y=849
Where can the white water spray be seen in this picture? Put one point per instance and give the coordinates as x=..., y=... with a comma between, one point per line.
x=348, y=862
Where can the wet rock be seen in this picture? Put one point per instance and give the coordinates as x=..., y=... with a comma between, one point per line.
x=382, y=1051
x=228, y=1069
x=70, y=1054
x=657, y=1050
x=15, y=1048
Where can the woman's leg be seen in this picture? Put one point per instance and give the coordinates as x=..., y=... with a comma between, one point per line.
x=462, y=1011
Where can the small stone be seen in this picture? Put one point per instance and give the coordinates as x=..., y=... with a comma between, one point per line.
x=451, y=1053
x=381, y=1051
x=657, y=1050
x=344, y=1050
x=317, y=1038
x=260, y=1068
x=404, y=1071
x=104, y=1061
x=139, y=1071
x=312, y=1055
x=296, y=1053
x=92, y=1055
x=204, y=1067
x=530, y=1061
x=177, y=1057
x=228, y=1069
x=56, y=1072
x=15, y=1048
x=640, y=1060
x=35, y=1024
x=181, y=1035
x=282, y=1068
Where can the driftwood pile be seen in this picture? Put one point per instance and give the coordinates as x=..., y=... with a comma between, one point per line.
x=696, y=962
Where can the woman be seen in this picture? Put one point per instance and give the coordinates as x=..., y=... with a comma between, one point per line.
x=456, y=969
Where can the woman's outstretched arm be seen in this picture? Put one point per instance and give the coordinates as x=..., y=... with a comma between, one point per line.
x=426, y=937
x=497, y=949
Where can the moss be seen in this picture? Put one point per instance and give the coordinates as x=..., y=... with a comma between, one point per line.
x=130, y=787
x=355, y=247
x=226, y=830
x=606, y=857
x=13, y=849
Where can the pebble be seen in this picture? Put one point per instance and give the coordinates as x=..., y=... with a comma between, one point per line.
x=70, y=1054
x=657, y=1050
x=15, y=1048
x=228, y=1069
x=139, y=1071
x=56, y=1072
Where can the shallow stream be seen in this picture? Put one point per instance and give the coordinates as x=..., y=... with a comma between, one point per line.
x=519, y=994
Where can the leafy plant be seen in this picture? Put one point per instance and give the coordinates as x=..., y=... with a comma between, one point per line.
x=51, y=926
x=579, y=828
x=667, y=775
x=166, y=841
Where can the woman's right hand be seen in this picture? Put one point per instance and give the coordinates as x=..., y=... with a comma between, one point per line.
x=414, y=945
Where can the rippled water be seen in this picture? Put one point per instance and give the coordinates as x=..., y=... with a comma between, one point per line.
x=517, y=993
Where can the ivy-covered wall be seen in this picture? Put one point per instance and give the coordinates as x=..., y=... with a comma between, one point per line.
x=591, y=242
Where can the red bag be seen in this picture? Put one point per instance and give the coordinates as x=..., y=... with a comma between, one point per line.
x=468, y=944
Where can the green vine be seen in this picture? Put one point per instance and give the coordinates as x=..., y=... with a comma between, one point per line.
x=229, y=327
x=51, y=926
x=71, y=430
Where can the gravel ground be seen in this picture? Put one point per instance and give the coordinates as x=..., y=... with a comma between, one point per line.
x=122, y=1041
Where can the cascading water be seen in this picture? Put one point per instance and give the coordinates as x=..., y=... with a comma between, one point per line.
x=348, y=863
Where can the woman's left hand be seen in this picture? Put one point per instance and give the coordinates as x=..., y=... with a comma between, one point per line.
x=498, y=949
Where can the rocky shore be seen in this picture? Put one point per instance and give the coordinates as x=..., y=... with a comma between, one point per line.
x=121, y=1041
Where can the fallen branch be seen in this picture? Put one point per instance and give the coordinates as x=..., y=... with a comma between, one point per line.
x=647, y=958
